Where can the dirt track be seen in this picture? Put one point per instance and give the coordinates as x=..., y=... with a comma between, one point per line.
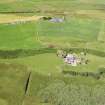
x=13, y=18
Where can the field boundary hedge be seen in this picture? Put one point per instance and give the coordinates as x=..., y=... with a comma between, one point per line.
x=8, y=54
x=96, y=75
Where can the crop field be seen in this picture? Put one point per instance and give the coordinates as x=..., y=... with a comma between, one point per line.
x=33, y=36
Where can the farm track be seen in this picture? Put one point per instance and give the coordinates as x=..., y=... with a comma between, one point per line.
x=4, y=18
x=11, y=18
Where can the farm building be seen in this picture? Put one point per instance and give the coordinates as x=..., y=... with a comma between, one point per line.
x=56, y=20
x=71, y=59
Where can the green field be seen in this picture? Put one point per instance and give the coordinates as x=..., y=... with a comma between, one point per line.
x=13, y=36
x=34, y=35
x=31, y=73
x=12, y=83
x=35, y=5
x=86, y=29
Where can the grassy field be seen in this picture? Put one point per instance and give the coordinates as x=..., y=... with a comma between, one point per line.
x=50, y=63
x=18, y=36
x=30, y=76
x=42, y=63
x=13, y=79
x=35, y=5
x=35, y=34
x=86, y=29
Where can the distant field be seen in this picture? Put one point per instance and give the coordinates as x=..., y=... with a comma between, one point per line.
x=48, y=5
x=29, y=35
x=84, y=29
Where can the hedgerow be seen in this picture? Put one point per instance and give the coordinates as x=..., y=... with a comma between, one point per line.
x=96, y=75
x=23, y=52
x=30, y=52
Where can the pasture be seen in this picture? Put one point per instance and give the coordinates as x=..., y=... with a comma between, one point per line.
x=38, y=33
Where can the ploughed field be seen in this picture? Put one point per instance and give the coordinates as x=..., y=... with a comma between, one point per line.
x=31, y=73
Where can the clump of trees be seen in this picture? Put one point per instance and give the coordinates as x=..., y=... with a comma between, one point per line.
x=60, y=93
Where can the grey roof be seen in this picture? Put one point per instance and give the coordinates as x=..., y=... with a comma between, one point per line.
x=56, y=20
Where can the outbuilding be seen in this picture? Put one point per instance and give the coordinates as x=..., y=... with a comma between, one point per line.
x=56, y=20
